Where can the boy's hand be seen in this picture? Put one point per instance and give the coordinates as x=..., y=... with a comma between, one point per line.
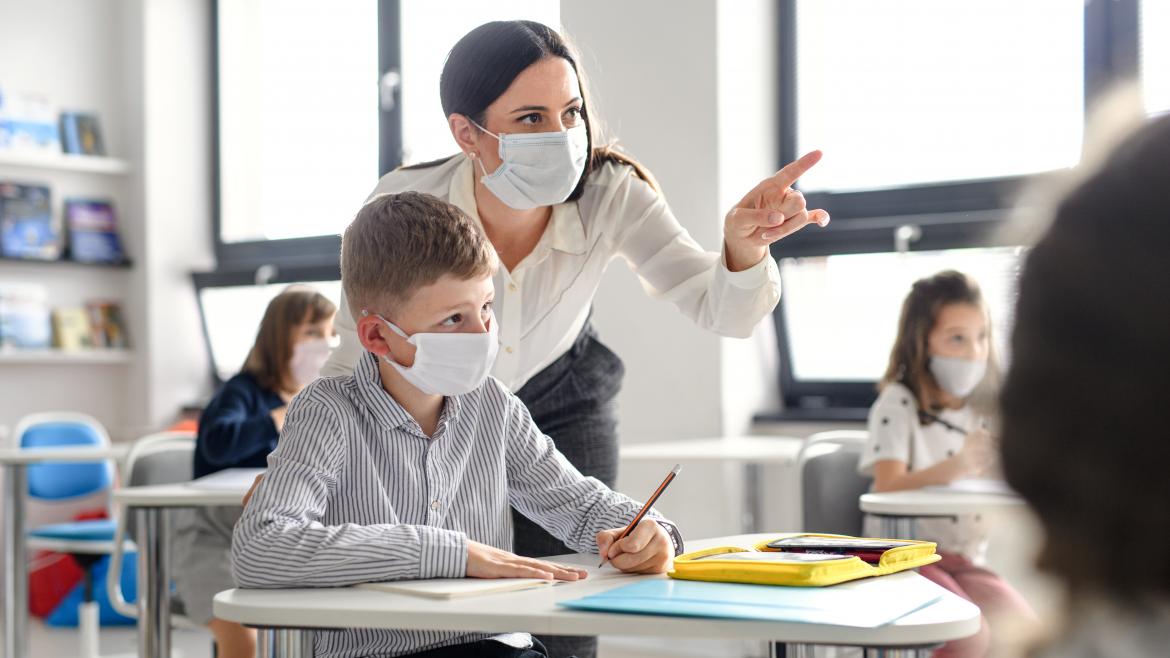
x=485, y=561
x=648, y=549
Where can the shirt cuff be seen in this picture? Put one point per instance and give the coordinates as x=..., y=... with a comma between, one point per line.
x=754, y=277
x=442, y=553
x=675, y=535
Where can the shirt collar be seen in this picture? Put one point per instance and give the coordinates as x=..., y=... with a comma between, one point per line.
x=385, y=409
x=381, y=404
x=566, y=230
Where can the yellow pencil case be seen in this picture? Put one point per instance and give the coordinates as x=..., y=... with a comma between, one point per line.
x=804, y=560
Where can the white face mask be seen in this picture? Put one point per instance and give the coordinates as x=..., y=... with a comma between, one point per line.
x=448, y=364
x=308, y=357
x=956, y=376
x=537, y=169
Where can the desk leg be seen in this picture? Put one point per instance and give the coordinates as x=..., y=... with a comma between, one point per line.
x=897, y=527
x=154, y=582
x=294, y=643
x=265, y=642
x=753, y=508
x=15, y=562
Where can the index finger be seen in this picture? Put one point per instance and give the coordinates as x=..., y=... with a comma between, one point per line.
x=794, y=170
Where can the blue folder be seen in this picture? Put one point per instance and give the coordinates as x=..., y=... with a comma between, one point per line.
x=864, y=604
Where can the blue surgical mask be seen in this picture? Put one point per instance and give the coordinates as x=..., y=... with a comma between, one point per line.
x=537, y=169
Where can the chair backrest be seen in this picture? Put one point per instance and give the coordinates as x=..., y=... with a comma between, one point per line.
x=59, y=481
x=830, y=484
x=163, y=458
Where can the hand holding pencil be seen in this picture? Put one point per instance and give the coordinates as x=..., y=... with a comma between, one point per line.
x=643, y=546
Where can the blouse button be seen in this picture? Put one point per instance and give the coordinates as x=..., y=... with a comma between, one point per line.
x=512, y=287
x=508, y=349
x=435, y=504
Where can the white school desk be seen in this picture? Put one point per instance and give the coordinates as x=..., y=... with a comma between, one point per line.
x=289, y=616
x=15, y=462
x=896, y=510
x=150, y=505
x=752, y=452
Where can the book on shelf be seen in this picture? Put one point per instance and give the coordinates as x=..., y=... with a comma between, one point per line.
x=71, y=329
x=24, y=317
x=81, y=134
x=92, y=227
x=28, y=228
x=28, y=123
x=106, y=324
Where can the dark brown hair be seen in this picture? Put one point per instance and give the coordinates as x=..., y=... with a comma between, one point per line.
x=1084, y=421
x=909, y=358
x=400, y=242
x=483, y=64
x=268, y=359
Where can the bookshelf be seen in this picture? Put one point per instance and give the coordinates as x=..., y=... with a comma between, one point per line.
x=63, y=262
x=61, y=162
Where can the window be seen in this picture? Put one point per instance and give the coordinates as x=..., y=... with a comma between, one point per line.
x=825, y=296
x=297, y=116
x=922, y=91
x=314, y=101
x=232, y=307
x=1155, y=55
x=931, y=116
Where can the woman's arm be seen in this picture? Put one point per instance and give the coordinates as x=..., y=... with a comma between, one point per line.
x=675, y=268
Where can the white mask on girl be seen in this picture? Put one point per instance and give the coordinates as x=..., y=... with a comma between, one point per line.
x=308, y=357
x=956, y=376
x=537, y=169
x=448, y=363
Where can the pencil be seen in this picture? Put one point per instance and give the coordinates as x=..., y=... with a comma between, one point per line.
x=645, y=508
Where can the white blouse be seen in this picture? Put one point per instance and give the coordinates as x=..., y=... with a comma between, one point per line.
x=543, y=303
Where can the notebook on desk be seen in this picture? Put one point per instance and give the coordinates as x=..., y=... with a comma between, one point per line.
x=456, y=588
x=863, y=604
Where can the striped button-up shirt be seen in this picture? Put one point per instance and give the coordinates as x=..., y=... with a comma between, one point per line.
x=355, y=492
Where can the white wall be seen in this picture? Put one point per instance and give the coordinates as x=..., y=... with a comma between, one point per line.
x=167, y=60
x=692, y=94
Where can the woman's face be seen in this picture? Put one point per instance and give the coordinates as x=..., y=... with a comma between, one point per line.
x=545, y=97
x=313, y=330
x=960, y=331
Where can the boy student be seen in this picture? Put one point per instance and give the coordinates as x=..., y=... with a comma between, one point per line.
x=407, y=468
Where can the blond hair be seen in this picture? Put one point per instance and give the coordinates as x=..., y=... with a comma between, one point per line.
x=398, y=243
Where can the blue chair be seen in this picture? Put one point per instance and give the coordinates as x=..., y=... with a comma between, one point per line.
x=85, y=541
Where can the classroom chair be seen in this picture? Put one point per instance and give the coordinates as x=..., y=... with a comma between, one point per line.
x=85, y=541
x=162, y=458
x=830, y=484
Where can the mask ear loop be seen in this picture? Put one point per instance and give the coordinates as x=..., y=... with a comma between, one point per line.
x=474, y=155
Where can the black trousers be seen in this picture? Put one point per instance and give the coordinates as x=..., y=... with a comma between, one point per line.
x=572, y=401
